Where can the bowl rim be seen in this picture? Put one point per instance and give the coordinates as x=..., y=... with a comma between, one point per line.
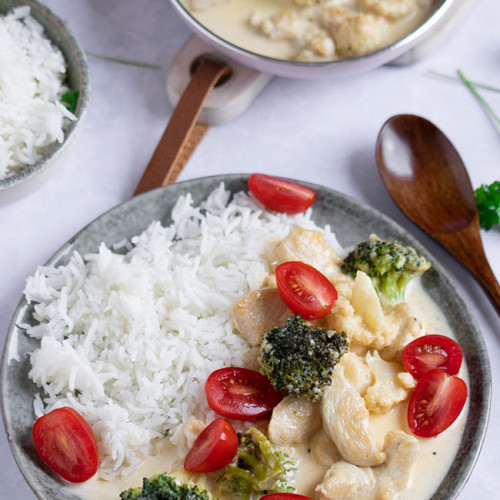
x=312, y=69
x=45, y=16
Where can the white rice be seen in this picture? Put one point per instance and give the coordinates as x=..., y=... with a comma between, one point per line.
x=32, y=72
x=129, y=340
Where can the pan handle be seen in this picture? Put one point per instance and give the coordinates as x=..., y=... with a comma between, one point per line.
x=182, y=134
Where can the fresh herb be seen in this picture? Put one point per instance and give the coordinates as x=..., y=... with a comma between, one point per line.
x=488, y=204
x=473, y=86
x=458, y=79
x=123, y=61
x=478, y=96
x=70, y=99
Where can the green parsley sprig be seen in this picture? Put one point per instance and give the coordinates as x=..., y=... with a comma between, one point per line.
x=488, y=204
x=70, y=99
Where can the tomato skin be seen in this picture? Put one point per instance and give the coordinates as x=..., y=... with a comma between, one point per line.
x=213, y=449
x=281, y=195
x=436, y=403
x=285, y=496
x=305, y=290
x=432, y=351
x=240, y=393
x=66, y=443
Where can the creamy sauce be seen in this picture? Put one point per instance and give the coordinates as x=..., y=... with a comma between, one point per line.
x=435, y=457
x=231, y=21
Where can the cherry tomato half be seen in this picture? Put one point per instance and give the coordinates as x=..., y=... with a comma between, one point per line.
x=305, y=290
x=66, y=443
x=240, y=393
x=285, y=496
x=280, y=194
x=432, y=351
x=435, y=403
x=213, y=449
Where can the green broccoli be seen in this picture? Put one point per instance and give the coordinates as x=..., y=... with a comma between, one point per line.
x=390, y=264
x=258, y=468
x=165, y=487
x=299, y=358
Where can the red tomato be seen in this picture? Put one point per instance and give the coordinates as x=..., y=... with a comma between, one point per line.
x=305, y=290
x=432, y=351
x=66, y=443
x=240, y=393
x=281, y=195
x=435, y=403
x=285, y=496
x=213, y=449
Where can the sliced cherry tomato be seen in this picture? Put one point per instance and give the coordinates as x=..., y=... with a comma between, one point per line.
x=66, y=443
x=305, y=290
x=435, y=403
x=432, y=351
x=213, y=449
x=240, y=393
x=280, y=194
x=285, y=496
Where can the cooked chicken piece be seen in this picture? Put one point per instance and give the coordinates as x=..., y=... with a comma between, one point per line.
x=401, y=327
x=356, y=371
x=366, y=303
x=293, y=420
x=387, y=389
x=323, y=450
x=192, y=428
x=309, y=247
x=346, y=421
x=259, y=311
x=295, y=25
x=344, y=285
x=402, y=451
x=345, y=481
x=392, y=10
x=342, y=318
x=406, y=380
x=360, y=34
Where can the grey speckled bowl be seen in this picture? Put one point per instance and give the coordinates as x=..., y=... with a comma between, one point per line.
x=350, y=220
x=24, y=182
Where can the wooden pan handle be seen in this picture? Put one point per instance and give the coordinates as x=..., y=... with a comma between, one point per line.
x=182, y=133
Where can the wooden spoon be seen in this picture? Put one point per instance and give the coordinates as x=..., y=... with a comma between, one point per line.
x=427, y=179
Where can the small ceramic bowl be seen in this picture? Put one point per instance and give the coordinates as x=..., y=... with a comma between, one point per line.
x=22, y=183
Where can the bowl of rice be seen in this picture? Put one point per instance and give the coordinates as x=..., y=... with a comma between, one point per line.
x=44, y=93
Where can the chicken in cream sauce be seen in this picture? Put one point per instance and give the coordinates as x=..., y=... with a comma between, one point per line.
x=354, y=444
x=310, y=30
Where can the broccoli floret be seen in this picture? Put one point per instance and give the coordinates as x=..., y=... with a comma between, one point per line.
x=165, y=487
x=299, y=358
x=390, y=264
x=258, y=468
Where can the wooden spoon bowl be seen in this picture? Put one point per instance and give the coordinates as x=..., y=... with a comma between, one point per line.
x=427, y=179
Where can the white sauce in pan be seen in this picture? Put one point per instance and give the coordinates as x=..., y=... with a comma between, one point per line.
x=316, y=30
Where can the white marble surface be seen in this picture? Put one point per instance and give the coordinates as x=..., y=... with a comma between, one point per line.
x=319, y=131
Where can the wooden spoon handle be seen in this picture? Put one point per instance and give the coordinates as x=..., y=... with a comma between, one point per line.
x=467, y=247
x=182, y=133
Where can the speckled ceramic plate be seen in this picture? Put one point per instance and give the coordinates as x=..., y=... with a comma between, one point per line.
x=351, y=221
